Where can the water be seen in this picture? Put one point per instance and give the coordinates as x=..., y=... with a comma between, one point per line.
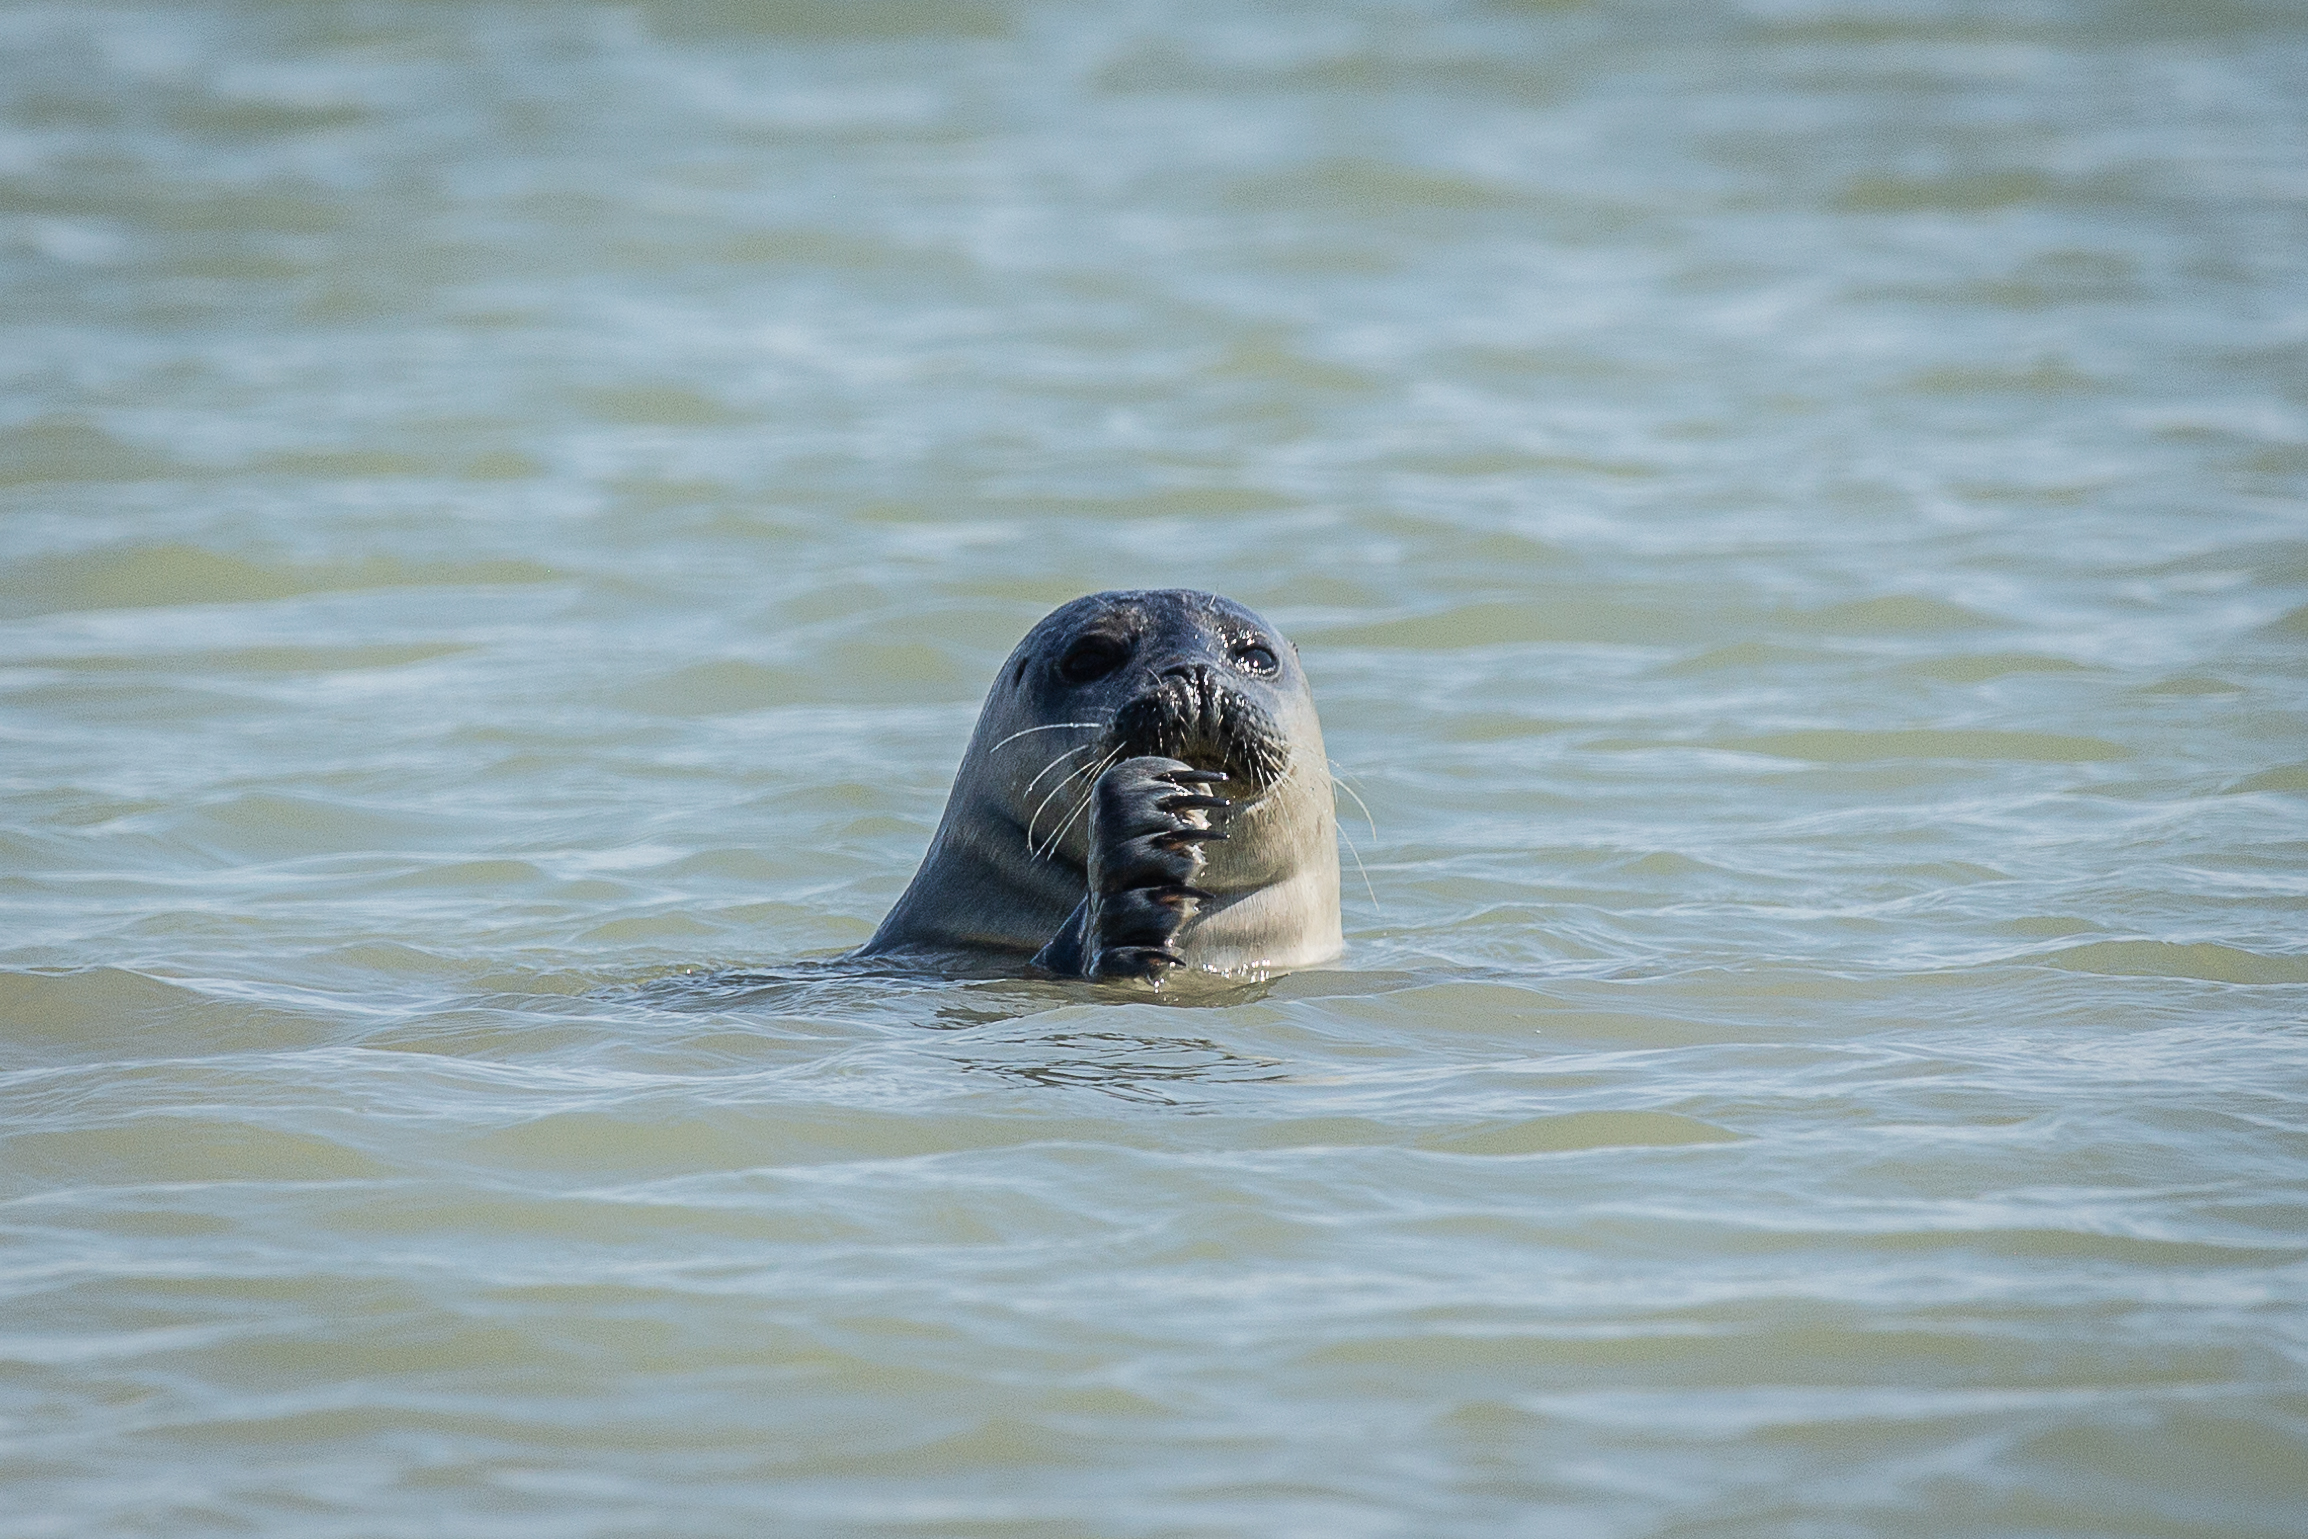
x=1794, y=512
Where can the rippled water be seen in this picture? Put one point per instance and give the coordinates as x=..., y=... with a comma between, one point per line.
x=1794, y=512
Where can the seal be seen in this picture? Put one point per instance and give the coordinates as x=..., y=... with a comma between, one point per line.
x=1146, y=790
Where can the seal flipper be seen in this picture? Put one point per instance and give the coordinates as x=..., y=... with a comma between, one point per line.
x=1148, y=823
x=1066, y=951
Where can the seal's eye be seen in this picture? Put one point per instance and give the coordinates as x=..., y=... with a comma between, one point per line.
x=1091, y=659
x=1255, y=659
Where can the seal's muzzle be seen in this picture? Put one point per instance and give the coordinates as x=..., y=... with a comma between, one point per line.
x=1190, y=715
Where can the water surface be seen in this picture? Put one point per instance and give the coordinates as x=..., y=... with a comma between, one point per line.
x=1794, y=512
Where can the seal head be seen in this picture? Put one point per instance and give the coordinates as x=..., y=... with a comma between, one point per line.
x=1103, y=693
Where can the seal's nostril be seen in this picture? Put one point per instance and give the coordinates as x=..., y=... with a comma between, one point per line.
x=1200, y=686
x=1195, y=676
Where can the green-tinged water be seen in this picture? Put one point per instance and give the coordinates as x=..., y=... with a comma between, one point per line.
x=1795, y=515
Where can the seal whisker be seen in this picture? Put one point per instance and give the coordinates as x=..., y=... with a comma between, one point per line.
x=1090, y=791
x=1056, y=791
x=1050, y=727
x=1338, y=779
x=1364, y=871
x=1347, y=840
x=1053, y=764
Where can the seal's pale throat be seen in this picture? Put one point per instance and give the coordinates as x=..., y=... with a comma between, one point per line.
x=1146, y=790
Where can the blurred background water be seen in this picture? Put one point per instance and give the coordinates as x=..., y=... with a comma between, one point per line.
x=1794, y=510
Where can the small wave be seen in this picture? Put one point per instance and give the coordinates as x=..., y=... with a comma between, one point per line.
x=720, y=688
x=175, y=1147
x=1830, y=746
x=2168, y=959
x=826, y=20
x=267, y=826
x=1742, y=654
x=1571, y=1131
x=63, y=448
x=2290, y=625
x=1891, y=614
x=111, y=1011
x=1978, y=668
x=1556, y=619
x=156, y=576
x=2284, y=777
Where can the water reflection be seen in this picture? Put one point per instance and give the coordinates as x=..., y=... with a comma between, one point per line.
x=1153, y=1070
